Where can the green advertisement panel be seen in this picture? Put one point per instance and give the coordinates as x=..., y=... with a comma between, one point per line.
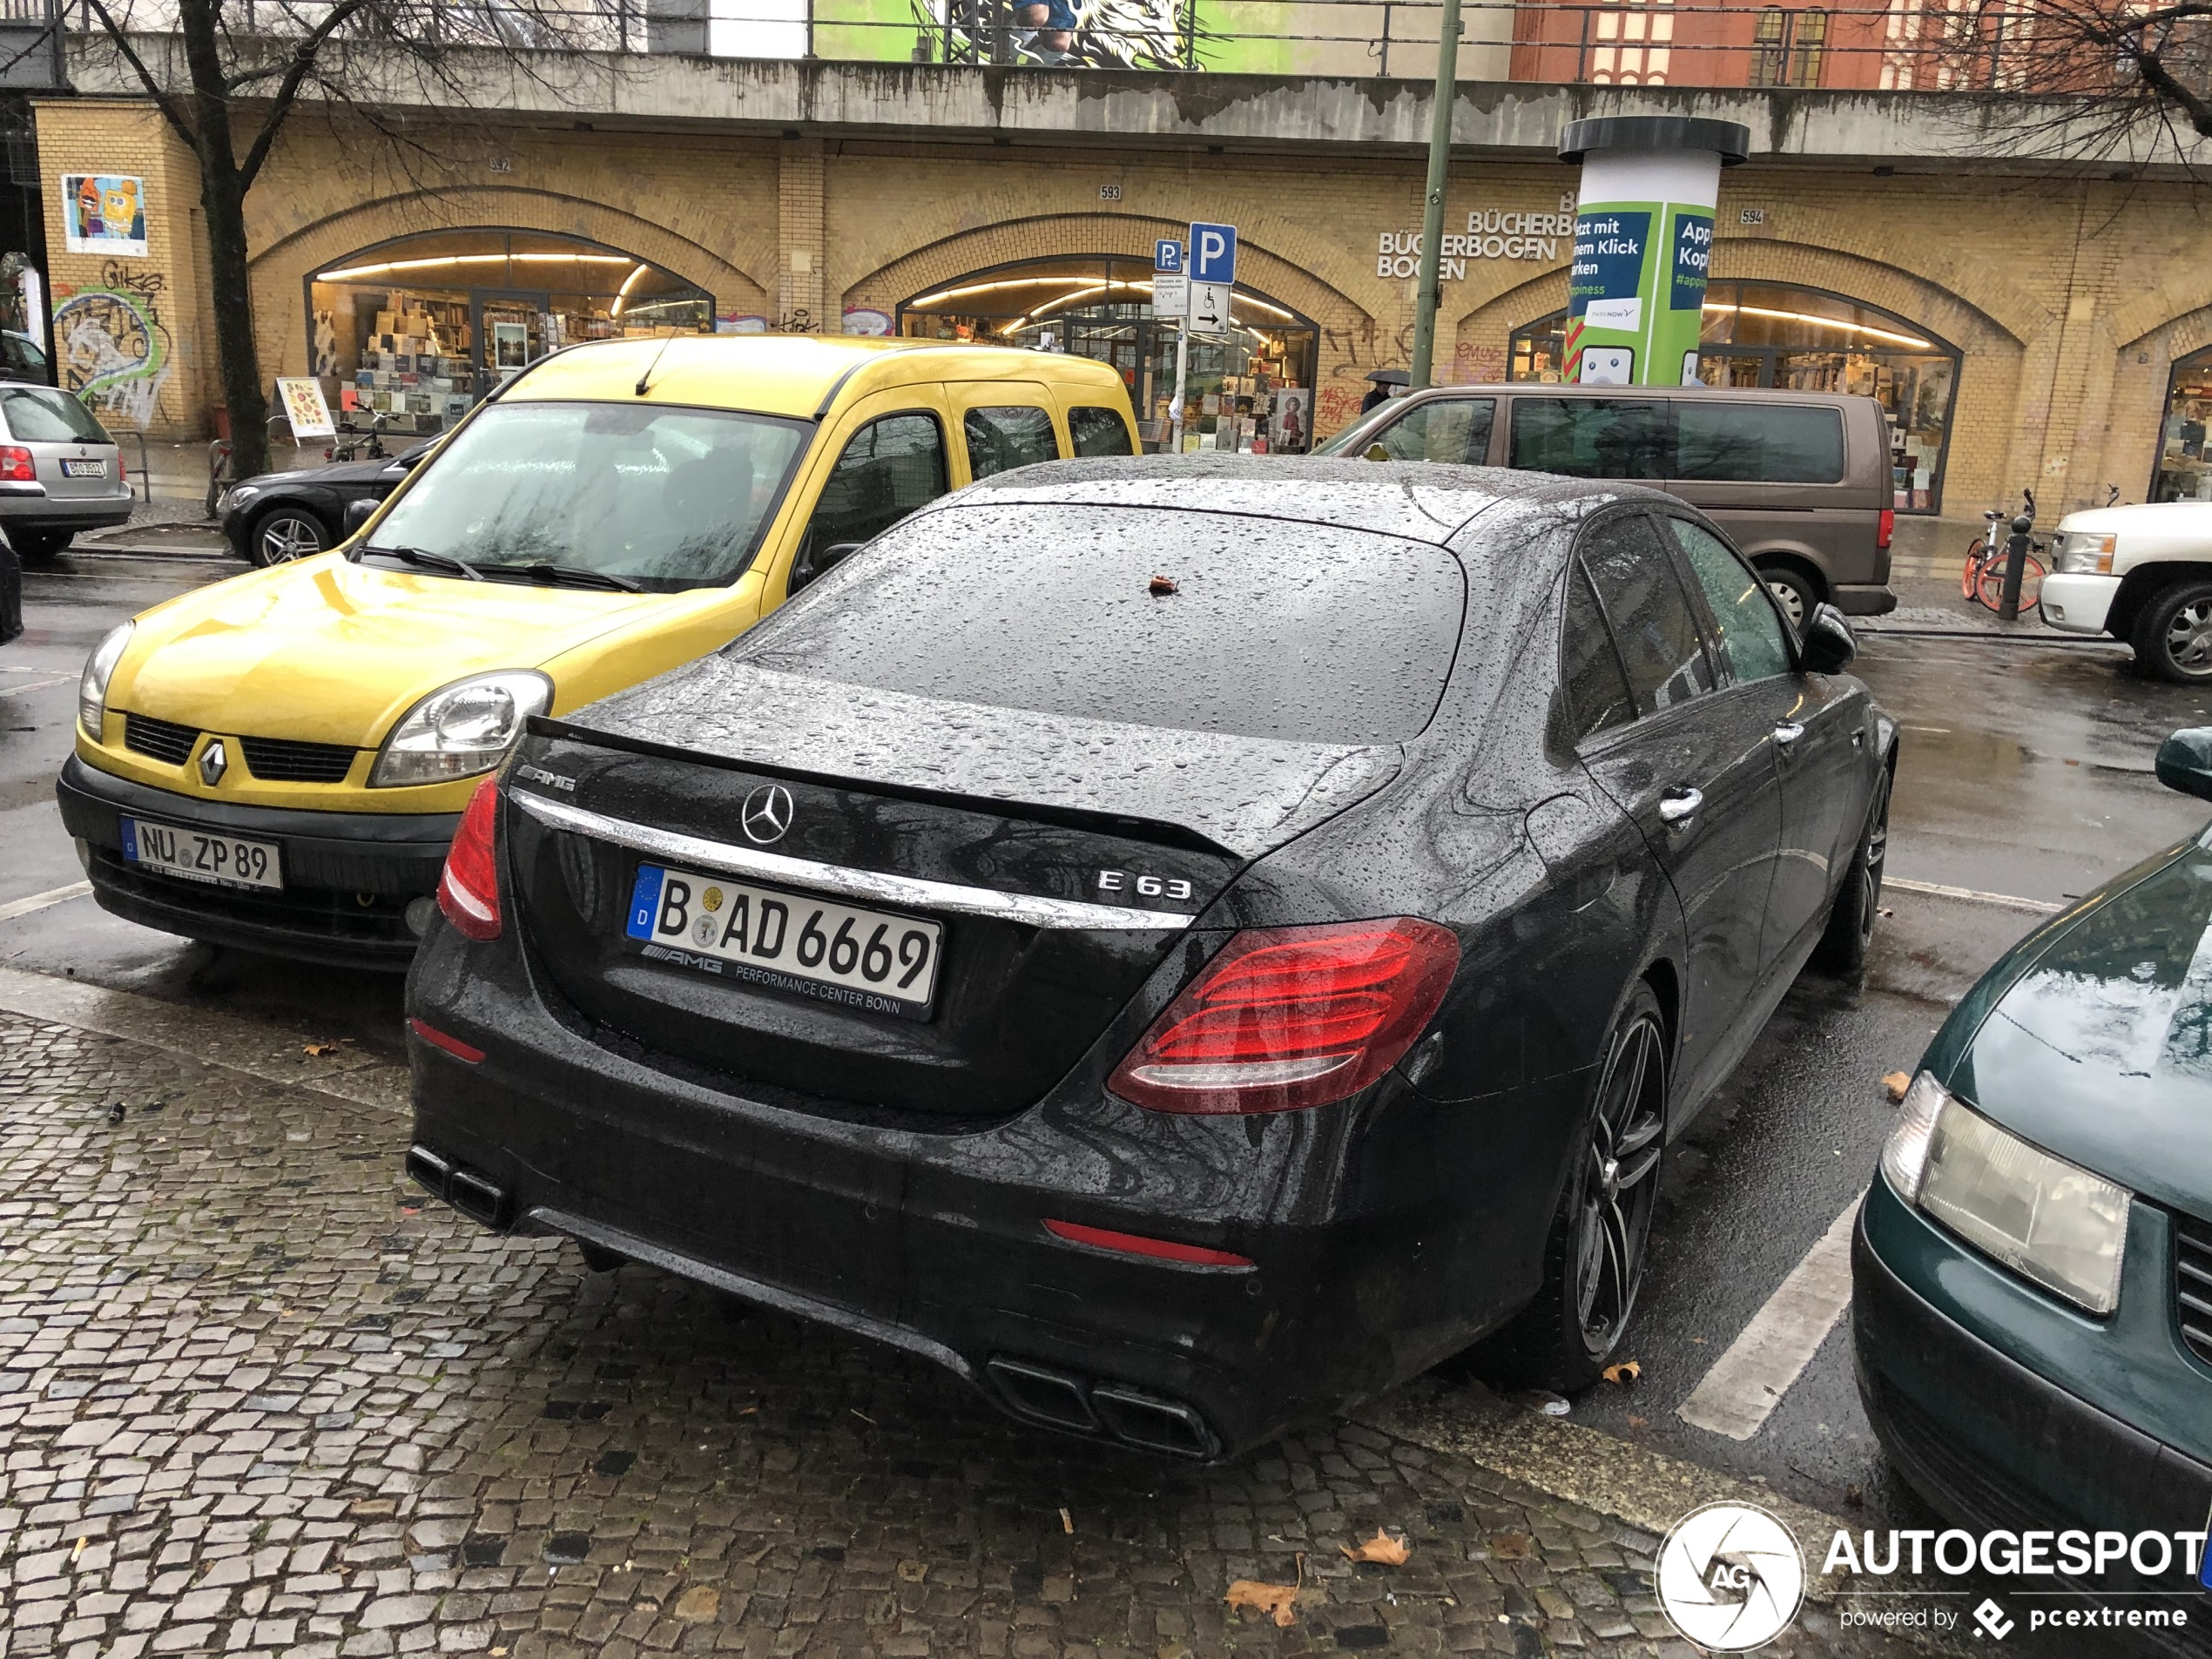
x=1636, y=292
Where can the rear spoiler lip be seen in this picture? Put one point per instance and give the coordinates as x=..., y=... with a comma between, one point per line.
x=1157, y=831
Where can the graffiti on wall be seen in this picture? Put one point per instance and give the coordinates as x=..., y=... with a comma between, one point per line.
x=111, y=347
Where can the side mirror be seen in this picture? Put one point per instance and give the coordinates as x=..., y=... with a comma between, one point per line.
x=1829, y=645
x=358, y=513
x=2185, y=762
x=815, y=563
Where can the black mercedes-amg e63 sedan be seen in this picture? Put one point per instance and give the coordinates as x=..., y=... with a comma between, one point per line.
x=1183, y=944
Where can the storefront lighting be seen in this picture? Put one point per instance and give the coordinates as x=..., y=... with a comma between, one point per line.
x=628, y=283
x=1821, y=322
x=446, y=260
x=994, y=288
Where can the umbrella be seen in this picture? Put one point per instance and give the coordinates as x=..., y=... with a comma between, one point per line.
x=1390, y=377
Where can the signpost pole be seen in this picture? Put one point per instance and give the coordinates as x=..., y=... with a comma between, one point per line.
x=1181, y=368
x=1440, y=166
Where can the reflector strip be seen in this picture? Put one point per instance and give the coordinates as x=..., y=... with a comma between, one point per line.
x=1136, y=1244
x=437, y=1039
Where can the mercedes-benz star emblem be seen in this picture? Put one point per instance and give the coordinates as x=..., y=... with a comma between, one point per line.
x=213, y=763
x=767, y=814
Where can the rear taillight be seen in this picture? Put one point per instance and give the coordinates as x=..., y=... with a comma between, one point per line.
x=1289, y=1017
x=468, y=891
x=16, y=465
x=1887, y=528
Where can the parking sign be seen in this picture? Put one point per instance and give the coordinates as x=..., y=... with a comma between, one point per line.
x=1213, y=252
x=1167, y=254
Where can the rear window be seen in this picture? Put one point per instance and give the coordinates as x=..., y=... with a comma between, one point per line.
x=1758, y=443
x=1304, y=632
x=1002, y=438
x=48, y=414
x=1095, y=431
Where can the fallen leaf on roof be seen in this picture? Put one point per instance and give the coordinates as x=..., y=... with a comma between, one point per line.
x=1162, y=586
x=1277, y=1602
x=1624, y=1373
x=1390, y=1552
x=1896, y=1084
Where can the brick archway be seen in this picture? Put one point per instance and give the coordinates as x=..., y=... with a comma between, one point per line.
x=280, y=269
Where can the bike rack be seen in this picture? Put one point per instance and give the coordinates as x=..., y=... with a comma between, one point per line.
x=145, y=468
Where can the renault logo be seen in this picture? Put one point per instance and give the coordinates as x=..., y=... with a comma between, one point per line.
x=767, y=814
x=213, y=763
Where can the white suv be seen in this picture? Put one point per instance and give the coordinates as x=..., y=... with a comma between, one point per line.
x=2141, y=574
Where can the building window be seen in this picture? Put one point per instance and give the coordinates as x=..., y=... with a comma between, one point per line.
x=1251, y=388
x=1775, y=334
x=1787, y=46
x=2184, y=473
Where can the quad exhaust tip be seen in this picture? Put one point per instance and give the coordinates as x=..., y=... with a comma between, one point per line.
x=475, y=1195
x=1147, y=1421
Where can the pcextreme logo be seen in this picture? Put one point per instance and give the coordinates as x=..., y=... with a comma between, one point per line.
x=1731, y=1577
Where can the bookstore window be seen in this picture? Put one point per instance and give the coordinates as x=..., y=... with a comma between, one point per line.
x=416, y=331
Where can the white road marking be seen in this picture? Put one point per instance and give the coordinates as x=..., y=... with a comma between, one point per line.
x=1748, y=1381
x=1937, y=890
x=16, y=908
x=36, y=686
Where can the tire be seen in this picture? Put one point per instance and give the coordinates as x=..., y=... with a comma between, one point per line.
x=2172, y=634
x=1857, y=905
x=284, y=533
x=1798, y=592
x=36, y=547
x=1990, y=590
x=1593, y=1256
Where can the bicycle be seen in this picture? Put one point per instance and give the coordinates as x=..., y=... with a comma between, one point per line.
x=353, y=443
x=1983, y=580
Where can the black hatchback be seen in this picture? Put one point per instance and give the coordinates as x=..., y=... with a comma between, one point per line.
x=1182, y=944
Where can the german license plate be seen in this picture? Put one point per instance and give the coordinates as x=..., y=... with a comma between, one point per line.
x=84, y=468
x=834, y=952
x=197, y=855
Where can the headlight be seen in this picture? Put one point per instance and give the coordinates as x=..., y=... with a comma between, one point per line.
x=2049, y=1221
x=460, y=729
x=2080, y=553
x=235, y=495
x=91, y=690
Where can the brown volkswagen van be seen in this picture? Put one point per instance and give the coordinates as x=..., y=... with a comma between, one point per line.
x=1799, y=480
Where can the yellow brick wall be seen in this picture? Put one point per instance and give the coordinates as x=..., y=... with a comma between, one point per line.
x=2070, y=300
x=130, y=333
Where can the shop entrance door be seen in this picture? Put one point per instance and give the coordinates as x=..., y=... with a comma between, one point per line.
x=506, y=334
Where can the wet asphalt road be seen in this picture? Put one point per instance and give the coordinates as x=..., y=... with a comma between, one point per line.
x=2025, y=771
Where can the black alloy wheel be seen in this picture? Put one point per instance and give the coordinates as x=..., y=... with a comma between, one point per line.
x=1593, y=1260
x=2173, y=635
x=284, y=533
x=1843, y=948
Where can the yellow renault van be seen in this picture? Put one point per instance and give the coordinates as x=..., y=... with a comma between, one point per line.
x=277, y=761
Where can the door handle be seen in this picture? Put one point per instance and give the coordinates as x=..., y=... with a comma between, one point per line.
x=1679, y=806
x=1789, y=732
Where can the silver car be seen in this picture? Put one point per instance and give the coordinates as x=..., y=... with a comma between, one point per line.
x=60, y=472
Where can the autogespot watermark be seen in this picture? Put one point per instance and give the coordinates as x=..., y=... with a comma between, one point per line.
x=1731, y=1578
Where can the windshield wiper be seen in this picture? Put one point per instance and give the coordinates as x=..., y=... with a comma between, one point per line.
x=579, y=576
x=429, y=561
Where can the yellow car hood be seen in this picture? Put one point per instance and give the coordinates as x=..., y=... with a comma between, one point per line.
x=329, y=651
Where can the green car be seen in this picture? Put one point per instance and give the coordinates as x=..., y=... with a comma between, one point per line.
x=2033, y=1268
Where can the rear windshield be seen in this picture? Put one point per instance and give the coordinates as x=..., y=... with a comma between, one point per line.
x=1304, y=632
x=48, y=414
x=668, y=498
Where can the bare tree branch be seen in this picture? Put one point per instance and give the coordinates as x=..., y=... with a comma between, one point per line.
x=302, y=64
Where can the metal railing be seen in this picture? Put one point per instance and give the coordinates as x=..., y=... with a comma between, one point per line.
x=1962, y=45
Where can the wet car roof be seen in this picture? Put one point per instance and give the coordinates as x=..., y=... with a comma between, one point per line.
x=1420, y=500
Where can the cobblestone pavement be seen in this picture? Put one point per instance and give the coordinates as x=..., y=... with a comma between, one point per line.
x=253, y=1396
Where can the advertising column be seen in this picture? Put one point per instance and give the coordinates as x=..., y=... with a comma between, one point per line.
x=1643, y=244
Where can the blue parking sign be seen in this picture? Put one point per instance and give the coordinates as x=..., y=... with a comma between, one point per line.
x=1213, y=252
x=1167, y=254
